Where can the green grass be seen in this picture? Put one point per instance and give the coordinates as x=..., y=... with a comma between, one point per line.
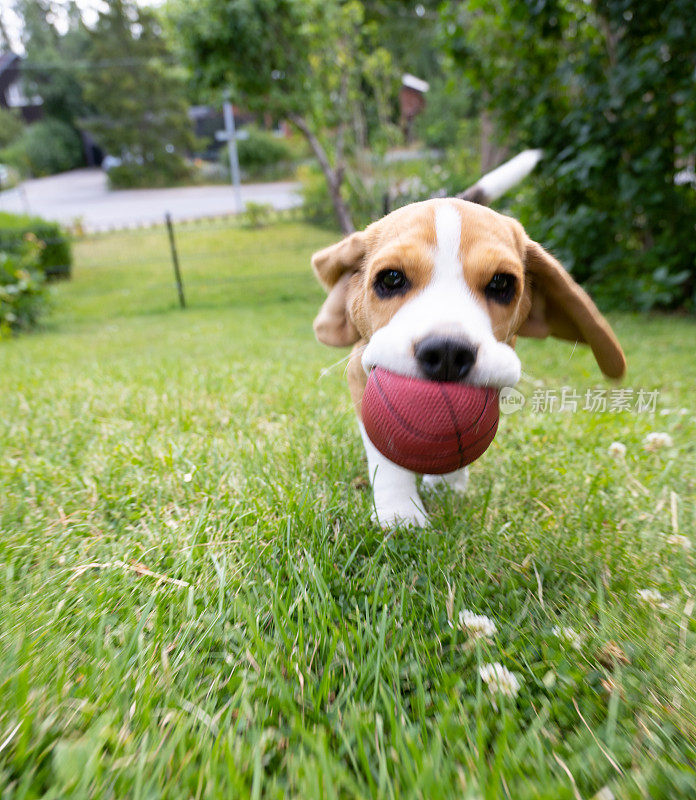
x=284, y=646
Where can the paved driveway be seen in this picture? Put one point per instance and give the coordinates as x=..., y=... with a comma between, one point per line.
x=84, y=195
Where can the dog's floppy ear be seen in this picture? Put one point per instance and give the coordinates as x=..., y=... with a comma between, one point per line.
x=334, y=267
x=559, y=307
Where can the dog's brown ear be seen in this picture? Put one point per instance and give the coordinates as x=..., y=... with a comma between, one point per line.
x=334, y=266
x=561, y=308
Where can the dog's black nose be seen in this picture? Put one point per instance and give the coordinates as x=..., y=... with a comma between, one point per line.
x=443, y=359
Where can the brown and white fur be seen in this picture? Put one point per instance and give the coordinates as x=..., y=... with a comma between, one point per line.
x=448, y=252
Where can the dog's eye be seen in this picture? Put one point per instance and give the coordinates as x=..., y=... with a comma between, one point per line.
x=390, y=282
x=501, y=288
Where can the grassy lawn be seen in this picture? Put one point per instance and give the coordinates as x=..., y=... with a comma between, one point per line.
x=194, y=602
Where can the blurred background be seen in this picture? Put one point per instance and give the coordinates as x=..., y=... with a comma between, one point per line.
x=115, y=112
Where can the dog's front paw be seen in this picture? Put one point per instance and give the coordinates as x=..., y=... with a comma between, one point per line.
x=457, y=481
x=406, y=515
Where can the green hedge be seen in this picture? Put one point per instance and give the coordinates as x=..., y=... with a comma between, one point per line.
x=23, y=293
x=262, y=149
x=44, y=148
x=55, y=257
x=161, y=170
x=262, y=155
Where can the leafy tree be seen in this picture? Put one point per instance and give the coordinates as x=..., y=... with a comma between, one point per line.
x=449, y=114
x=50, y=70
x=409, y=31
x=607, y=90
x=312, y=62
x=54, y=62
x=139, y=96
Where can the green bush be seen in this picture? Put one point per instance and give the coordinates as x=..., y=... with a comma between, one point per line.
x=11, y=126
x=9, y=176
x=262, y=149
x=262, y=154
x=22, y=289
x=364, y=194
x=257, y=215
x=449, y=118
x=166, y=169
x=55, y=256
x=365, y=190
x=609, y=96
x=45, y=148
x=15, y=156
x=316, y=202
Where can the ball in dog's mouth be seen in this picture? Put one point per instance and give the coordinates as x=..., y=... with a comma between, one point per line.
x=431, y=427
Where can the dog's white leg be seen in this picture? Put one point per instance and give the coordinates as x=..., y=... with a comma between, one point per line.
x=457, y=481
x=396, y=497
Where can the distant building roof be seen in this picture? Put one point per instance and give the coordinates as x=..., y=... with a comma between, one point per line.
x=7, y=60
x=12, y=91
x=411, y=82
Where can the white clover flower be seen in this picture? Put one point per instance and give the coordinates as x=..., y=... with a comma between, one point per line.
x=617, y=450
x=477, y=626
x=188, y=477
x=677, y=540
x=568, y=635
x=499, y=679
x=652, y=597
x=649, y=595
x=656, y=441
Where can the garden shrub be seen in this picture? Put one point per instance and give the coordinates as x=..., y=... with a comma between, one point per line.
x=9, y=176
x=154, y=172
x=14, y=155
x=367, y=188
x=11, y=126
x=45, y=148
x=363, y=192
x=316, y=202
x=54, y=256
x=448, y=119
x=609, y=96
x=22, y=288
x=262, y=149
x=262, y=154
x=257, y=215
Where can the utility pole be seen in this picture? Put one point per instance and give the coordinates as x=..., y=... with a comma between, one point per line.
x=231, y=136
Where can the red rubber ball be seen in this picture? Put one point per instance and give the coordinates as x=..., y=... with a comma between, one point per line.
x=429, y=427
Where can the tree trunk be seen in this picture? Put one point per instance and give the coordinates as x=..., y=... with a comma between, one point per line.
x=334, y=176
x=491, y=153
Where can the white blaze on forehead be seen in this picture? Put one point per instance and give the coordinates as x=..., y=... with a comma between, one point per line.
x=448, y=289
x=448, y=238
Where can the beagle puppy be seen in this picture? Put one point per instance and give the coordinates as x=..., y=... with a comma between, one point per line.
x=467, y=281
